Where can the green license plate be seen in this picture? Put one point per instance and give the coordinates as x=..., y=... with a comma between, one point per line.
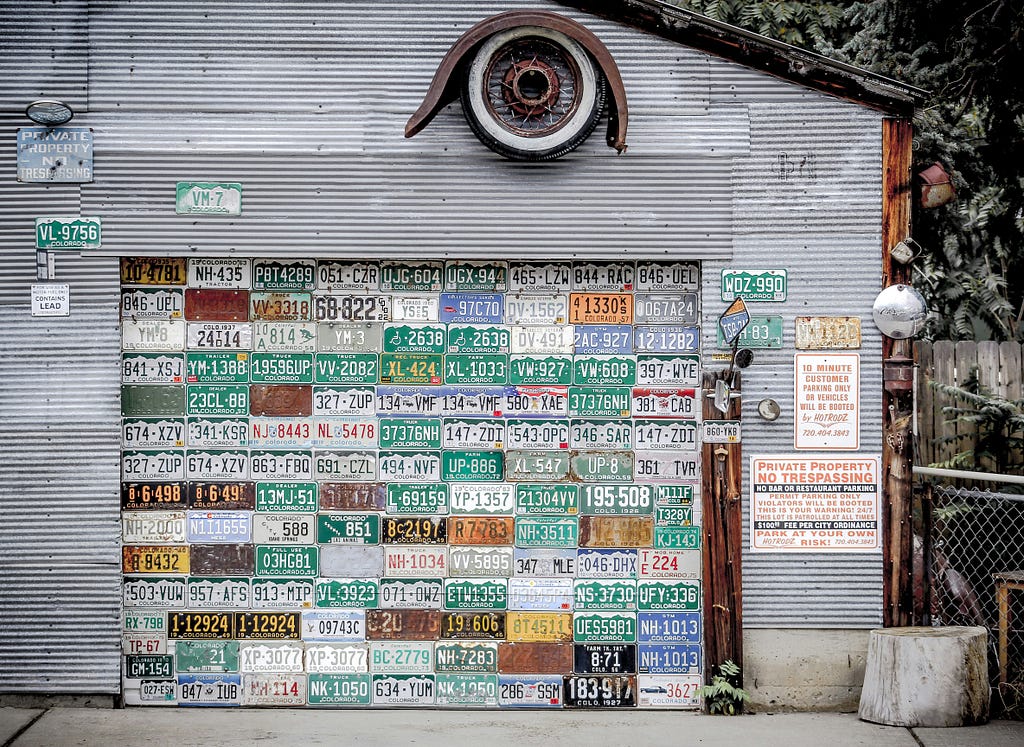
x=410, y=368
x=604, y=627
x=675, y=495
x=540, y=369
x=668, y=595
x=281, y=368
x=603, y=466
x=600, y=402
x=604, y=369
x=346, y=368
x=148, y=666
x=547, y=499
x=616, y=500
x=472, y=466
x=680, y=538
x=280, y=497
x=482, y=594
x=153, y=401
x=414, y=338
x=348, y=529
x=338, y=689
x=218, y=399
x=410, y=433
x=476, y=368
x=536, y=466
x=217, y=368
x=467, y=690
x=281, y=560
x=350, y=593
x=206, y=656
x=754, y=285
x=546, y=532
x=466, y=657
x=601, y=594
x=417, y=498
x=476, y=276
x=760, y=332
x=673, y=516
x=478, y=338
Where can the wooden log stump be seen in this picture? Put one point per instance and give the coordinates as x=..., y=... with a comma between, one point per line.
x=926, y=677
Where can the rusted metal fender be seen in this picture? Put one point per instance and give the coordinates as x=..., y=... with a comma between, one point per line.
x=444, y=88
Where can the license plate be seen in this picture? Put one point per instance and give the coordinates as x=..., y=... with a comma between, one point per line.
x=681, y=370
x=540, y=401
x=200, y=625
x=411, y=368
x=420, y=276
x=547, y=310
x=273, y=690
x=411, y=657
x=472, y=276
x=754, y=285
x=540, y=594
x=610, y=691
x=282, y=656
x=284, y=337
x=604, y=627
x=538, y=277
x=544, y=531
x=284, y=560
x=410, y=593
x=217, y=368
x=600, y=402
x=145, y=303
x=218, y=433
x=154, y=592
x=455, y=625
x=473, y=530
x=600, y=434
x=721, y=432
x=417, y=498
x=659, y=563
x=537, y=434
x=152, y=433
x=280, y=465
x=293, y=400
x=545, y=563
x=414, y=562
x=485, y=594
x=604, y=658
x=217, y=465
x=606, y=563
x=673, y=516
x=137, y=621
x=536, y=466
x=348, y=529
x=601, y=594
x=152, y=465
x=281, y=433
x=349, y=337
x=152, y=368
x=603, y=276
x=153, y=496
x=543, y=339
x=472, y=308
x=281, y=593
x=268, y=625
x=219, y=526
x=676, y=308
x=616, y=531
x=473, y=433
x=274, y=529
x=668, y=595
x=668, y=627
x=351, y=368
x=538, y=627
x=666, y=339
x=236, y=496
x=465, y=657
x=480, y=690
x=351, y=308
x=667, y=276
x=336, y=658
x=669, y=690
x=483, y=498
x=665, y=403
x=540, y=369
x=283, y=275
x=621, y=500
x=684, y=538
x=600, y=308
x=334, y=275
x=766, y=332
x=603, y=339
x=140, y=400
x=669, y=658
x=205, y=305
x=602, y=466
x=467, y=400
x=153, y=270
x=403, y=625
x=413, y=400
x=666, y=466
x=604, y=369
x=675, y=495
x=679, y=435
x=152, y=334
x=534, y=658
x=406, y=530
x=415, y=338
x=414, y=308
x=209, y=689
x=472, y=466
x=562, y=500
x=144, y=643
x=334, y=625
x=222, y=560
x=343, y=401
x=362, y=561
x=217, y=399
x=478, y=339
x=281, y=368
x=353, y=593
x=338, y=689
x=409, y=466
x=219, y=336
x=219, y=273
x=476, y=368
x=481, y=562
x=353, y=496
x=530, y=691
x=217, y=593
x=403, y=689
x=206, y=656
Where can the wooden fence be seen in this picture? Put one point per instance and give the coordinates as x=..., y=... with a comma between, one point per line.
x=998, y=367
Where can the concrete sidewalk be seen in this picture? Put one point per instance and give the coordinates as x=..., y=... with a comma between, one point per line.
x=54, y=727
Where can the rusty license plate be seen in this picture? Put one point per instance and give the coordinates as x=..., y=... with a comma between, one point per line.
x=216, y=305
x=353, y=496
x=480, y=530
x=155, y=559
x=153, y=496
x=230, y=496
x=223, y=560
x=616, y=531
x=281, y=399
x=532, y=658
x=403, y=625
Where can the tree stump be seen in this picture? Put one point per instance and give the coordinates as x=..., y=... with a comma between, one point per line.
x=926, y=677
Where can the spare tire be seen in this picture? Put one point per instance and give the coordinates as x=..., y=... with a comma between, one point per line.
x=531, y=93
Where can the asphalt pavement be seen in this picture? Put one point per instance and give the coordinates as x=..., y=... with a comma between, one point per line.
x=180, y=727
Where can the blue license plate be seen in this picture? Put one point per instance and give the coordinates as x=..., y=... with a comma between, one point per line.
x=666, y=339
x=604, y=339
x=473, y=308
x=669, y=658
x=209, y=689
x=668, y=627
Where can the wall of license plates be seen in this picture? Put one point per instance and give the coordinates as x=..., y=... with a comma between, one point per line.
x=410, y=483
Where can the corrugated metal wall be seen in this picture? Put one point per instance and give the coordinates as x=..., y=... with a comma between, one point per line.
x=305, y=103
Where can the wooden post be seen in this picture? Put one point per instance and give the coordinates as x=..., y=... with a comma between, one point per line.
x=722, y=530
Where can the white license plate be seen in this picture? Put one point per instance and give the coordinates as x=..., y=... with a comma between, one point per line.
x=653, y=563
x=403, y=689
x=218, y=593
x=274, y=689
x=411, y=657
x=209, y=689
x=600, y=563
x=284, y=337
x=415, y=562
x=530, y=691
x=283, y=529
x=277, y=656
x=334, y=401
x=281, y=433
x=136, y=621
x=352, y=308
x=414, y=308
x=538, y=277
x=152, y=527
x=147, y=303
x=664, y=403
x=215, y=272
x=469, y=400
x=543, y=339
x=155, y=692
x=152, y=368
x=536, y=309
x=345, y=466
x=280, y=465
x=337, y=658
x=667, y=276
x=600, y=434
x=217, y=465
x=545, y=562
x=156, y=592
x=334, y=625
x=349, y=337
x=482, y=498
x=481, y=562
x=144, y=643
x=332, y=275
x=656, y=308
x=218, y=433
x=603, y=276
x=537, y=434
x=680, y=435
x=665, y=466
x=394, y=400
x=472, y=433
x=157, y=466
x=666, y=339
x=152, y=433
x=540, y=594
x=401, y=593
x=721, y=432
x=535, y=400
x=280, y=593
x=669, y=690
x=219, y=526
x=152, y=334
x=219, y=336
x=417, y=466
x=666, y=370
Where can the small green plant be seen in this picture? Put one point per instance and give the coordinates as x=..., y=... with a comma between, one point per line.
x=723, y=695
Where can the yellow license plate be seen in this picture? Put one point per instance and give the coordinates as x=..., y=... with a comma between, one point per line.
x=154, y=559
x=153, y=270
x=538, y=626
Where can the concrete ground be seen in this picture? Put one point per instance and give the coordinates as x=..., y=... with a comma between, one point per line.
x=55, y=727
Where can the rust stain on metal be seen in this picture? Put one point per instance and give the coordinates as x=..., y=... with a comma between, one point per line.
x=403, y=625
x=827, y=332
x=535, y=658
x=229, y=496
x=481, y=530
x=281, y=399
x=353, y=496
x=413, y=530
x=223, y=560
x=216, y=305
x=616, y=531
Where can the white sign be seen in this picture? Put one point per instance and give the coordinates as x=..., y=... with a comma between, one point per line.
x=51, y=300
x=815, y=504
x=827, y=401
